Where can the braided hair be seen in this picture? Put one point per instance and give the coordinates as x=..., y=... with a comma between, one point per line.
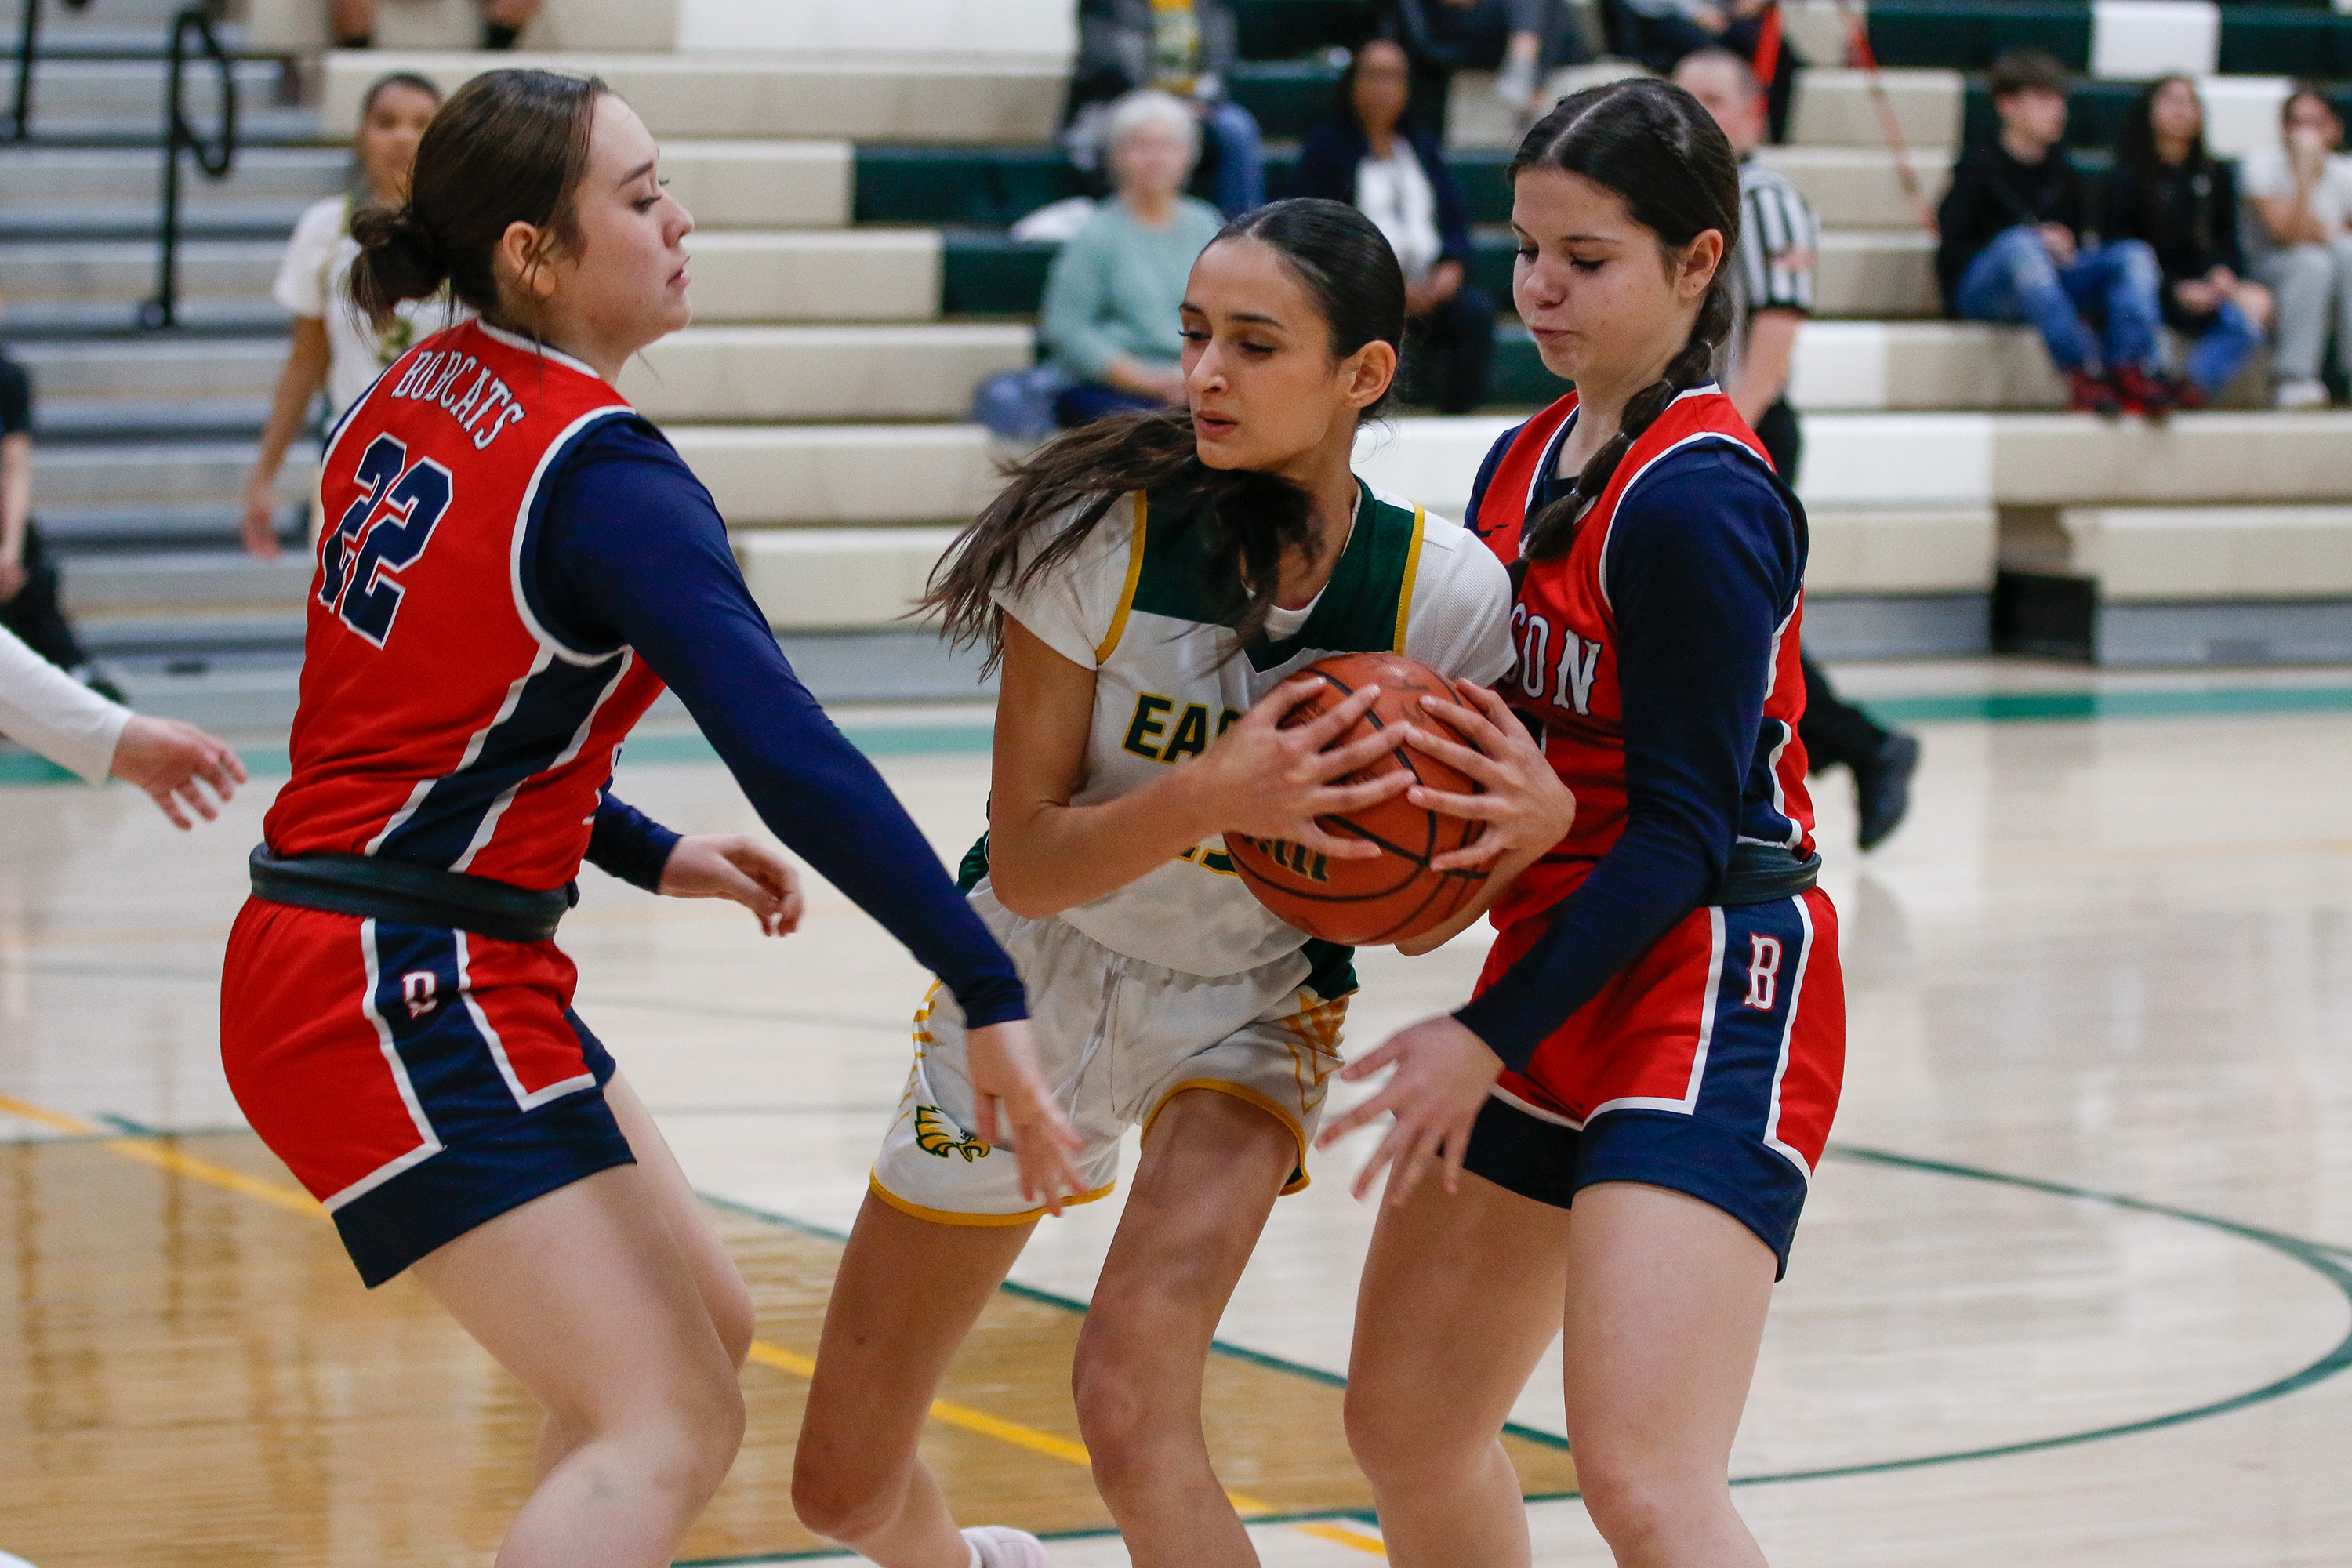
x=1651, y=144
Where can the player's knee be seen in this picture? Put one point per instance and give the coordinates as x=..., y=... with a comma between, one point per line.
x=736, y=1322
x=1638, y=1503
x=1398, y=1449
x=1117, y=1394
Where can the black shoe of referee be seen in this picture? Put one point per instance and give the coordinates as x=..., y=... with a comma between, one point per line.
x=1883, y=789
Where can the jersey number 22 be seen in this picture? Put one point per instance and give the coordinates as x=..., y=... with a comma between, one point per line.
x=383, y=532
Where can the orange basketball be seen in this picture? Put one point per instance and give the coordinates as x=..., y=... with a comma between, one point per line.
x=1396, y=895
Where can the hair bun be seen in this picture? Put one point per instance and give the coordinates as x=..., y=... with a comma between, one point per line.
x=399, y=258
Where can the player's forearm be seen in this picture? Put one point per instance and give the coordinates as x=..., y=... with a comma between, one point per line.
x=16, y=496
x=1498, y=882
x=1044, y=857
x=299, y=382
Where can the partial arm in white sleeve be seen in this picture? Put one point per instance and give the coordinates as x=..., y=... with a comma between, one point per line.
x=44, y=708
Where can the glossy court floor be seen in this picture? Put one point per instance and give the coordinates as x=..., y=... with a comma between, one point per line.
x=2075, y=1286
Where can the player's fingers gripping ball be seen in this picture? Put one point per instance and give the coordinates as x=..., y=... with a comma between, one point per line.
x=1397, y=894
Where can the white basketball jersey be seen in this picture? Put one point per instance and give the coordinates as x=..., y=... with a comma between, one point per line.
x=1134, y=606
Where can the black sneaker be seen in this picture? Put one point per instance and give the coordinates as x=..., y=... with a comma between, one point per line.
x=1884, y=791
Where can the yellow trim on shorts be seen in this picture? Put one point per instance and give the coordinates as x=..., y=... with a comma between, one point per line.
x=1244, y=1092
x=949, y=1216
x=1411, y=570
x=1109, y=645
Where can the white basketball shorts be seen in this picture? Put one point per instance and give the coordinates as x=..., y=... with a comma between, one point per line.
x=1116, y=1038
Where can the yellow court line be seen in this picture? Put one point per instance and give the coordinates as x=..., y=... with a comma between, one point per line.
x=946, y=1411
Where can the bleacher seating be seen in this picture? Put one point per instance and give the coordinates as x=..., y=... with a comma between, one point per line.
x=855, y=278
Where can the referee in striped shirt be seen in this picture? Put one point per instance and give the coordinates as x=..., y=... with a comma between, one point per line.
x=1772, y=293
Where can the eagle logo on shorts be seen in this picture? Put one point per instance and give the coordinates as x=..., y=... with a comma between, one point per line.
x=935, y=1134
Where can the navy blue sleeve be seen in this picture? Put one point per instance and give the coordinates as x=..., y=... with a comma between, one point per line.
x=626, y=843
x=1486, y=477
x=1701, y=568
x=630, y=548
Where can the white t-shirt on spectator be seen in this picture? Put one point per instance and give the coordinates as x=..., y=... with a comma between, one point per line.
x=315, y=281
x=2268, y=175
x=1395, y=194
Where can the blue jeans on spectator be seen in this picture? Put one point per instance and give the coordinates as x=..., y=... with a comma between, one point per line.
x=1092, y=400
x=1240, y=171
x=2224, y=343
x=2015, y=278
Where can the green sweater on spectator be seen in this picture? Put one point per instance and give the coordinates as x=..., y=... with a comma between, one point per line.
x=1116, y=287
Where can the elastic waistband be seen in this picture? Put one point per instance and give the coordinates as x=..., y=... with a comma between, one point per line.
x=1765, y=874
x=374, y=888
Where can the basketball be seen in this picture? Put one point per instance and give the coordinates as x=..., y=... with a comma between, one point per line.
x=1396, y=895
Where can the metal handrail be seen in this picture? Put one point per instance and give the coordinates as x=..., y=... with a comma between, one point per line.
x=28, y=53
x=215, y=158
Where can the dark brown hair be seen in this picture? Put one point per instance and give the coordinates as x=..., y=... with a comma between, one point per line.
x=385, y=84
x=2026, y=70
x=1241, y=521
x=509, y=147
x=2302, y=89
x=1651, y=144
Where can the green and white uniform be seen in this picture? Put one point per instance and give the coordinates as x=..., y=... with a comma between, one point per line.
x=1180, y=978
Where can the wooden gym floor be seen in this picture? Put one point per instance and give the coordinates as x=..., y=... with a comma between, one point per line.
x=2074, y=1288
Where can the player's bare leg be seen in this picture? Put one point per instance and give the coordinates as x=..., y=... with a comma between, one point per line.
x=908, y=1294
x=583, y=1296
x=1666, y=1311
x=1461, y=1295
x=1211, y=1167
x=717, y=1280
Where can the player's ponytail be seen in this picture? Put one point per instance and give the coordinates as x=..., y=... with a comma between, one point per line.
x=1243, y=521
x=1652, y=146
x=509, y=147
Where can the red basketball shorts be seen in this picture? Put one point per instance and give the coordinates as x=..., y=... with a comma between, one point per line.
x=1710, y=1064
x=418, y=1080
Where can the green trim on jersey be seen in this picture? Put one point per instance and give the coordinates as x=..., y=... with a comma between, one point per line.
x=1361, y=610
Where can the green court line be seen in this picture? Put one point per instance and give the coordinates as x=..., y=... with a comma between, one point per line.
x=2318, y=1256
x=1958, y=707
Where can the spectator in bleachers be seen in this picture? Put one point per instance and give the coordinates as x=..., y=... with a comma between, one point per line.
x=1660, y=32
x=1771, y=296
x=30, y=602
x=335, y=347
x=2169, y=191
x=1521, y=41
x=2012, y=249
x=1111, y=300
x=2301, y=228
x=1186, y=49
x=1396, y=174
x=352, y=23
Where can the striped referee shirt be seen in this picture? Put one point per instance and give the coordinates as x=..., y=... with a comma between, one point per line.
x=1779, y=244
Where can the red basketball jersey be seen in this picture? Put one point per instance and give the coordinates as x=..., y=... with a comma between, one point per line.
x=440, y=722
x=1566, y=674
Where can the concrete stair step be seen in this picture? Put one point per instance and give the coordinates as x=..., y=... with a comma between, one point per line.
x=774, y=475
x=44, y=176
x=901, y=97
x=1835, y=108
x=91, y=533
x=83, y=322
x=762, y=183
x=2187, y=553
x=157, y=366
x=188, y=636
x=67, y=88
x=831, y=578
x=125, y=475
x=95, y=222
x=747, y=373
x=208, y=584
x=63, y=272
x=1859, y=187
x=257, y=127
x=845, y=275
x=75, y=422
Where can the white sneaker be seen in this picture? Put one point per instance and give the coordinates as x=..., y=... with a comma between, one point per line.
x=995, y=1546
x=2300, y=394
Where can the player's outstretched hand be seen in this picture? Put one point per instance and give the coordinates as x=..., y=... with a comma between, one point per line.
x=734, y=866
x=1014, y=1106
x=1443, y=1074
x=174, y=762
x=1526, y=808
x=1266, y=781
